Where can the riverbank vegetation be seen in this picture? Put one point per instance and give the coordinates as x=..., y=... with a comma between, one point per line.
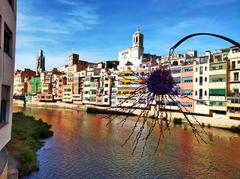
x=27, y=138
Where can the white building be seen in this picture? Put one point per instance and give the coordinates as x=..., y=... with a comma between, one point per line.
x=201, y=89
x=7, y=61
x=131, y=58
x=233, y=103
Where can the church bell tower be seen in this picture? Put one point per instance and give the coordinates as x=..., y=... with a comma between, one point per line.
x=40, y=62
x=137, y=46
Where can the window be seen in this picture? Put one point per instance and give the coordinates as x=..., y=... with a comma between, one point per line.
x=217, y=92
x=187, y=69
x=195, y=93
x=195, y=79
x=236, y=76
x=205, y=68
x=187, y=92
x=205, y=78
x=235, y=91
x=94, y=92
x=196, y=69
x=238, y=61
x=217, y=103
x=233, y=65
x=218, y=58
x=106, y=85
x=200, y=80
x=205, y=93
x=201, y=70
x=200, y=93
x=217, y=78
x=218, y=66
x=175, y=63
x=105, y=100
x=213, y=68
x=187, y=104
x=67, y=89
x=7, y=40
x=175, y=70
x=5, y=103
x=187, y=80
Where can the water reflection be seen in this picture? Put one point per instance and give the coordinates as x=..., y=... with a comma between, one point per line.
x=82, y=146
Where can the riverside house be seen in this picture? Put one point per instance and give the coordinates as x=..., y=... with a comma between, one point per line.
x=7, y=61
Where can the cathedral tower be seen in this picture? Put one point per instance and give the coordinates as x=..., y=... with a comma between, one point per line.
x=138, y=39
x=138, y=48
x=40, y=62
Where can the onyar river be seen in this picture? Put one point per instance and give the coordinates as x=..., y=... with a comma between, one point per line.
x=84, y=147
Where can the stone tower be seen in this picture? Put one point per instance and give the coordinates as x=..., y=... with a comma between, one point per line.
x=40, y=62
x=138, y=48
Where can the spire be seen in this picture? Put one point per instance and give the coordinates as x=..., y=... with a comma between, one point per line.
x=138, y=29
x=40, y=53
x=40, y=62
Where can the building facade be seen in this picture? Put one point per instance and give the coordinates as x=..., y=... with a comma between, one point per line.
x=201, y=90
x=233, y=100
x=21, y=79
x=7, y=61
x=218, y=77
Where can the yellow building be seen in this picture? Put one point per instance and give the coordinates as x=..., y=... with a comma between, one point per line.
x=126, y=85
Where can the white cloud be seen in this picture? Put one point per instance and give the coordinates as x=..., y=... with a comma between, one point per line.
x=80, y=17
x=68, y=2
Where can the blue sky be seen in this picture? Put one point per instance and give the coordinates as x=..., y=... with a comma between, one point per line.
x=98, y=29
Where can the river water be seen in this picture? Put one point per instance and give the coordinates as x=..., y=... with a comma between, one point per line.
x=84, y=147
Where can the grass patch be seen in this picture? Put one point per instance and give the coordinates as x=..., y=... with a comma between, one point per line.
x=27, y=136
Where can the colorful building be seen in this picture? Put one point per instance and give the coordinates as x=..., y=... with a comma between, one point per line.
x=61, y=81
x=46, y=87
x=187, y=86
x=78, y=85
x=67, y=93
x=233, y=99
x=218, y=76
x=21, y=79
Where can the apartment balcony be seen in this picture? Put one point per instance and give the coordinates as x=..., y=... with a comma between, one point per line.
x=46, y=97
x=233, y=101
x=76, y=97
x=218, y=72
x=218, y=108
x=218, y=105
x=217, y=98
x=216, y=85
x=234, y=55
x=233, y=114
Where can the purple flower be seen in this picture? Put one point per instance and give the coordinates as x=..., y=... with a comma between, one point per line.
x=161, y=82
